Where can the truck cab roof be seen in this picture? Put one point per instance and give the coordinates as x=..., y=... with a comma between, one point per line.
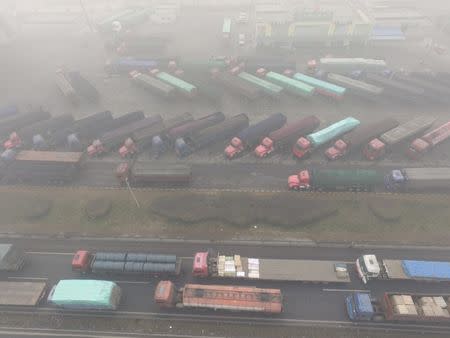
x=371, y=263
x=363, y=303
x=80, y=259
x=200, y=261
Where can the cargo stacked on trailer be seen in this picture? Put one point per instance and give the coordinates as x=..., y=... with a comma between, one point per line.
x=152, y=84
x=418, y=180
x=356, y=87
x=22, y=293
x=148, y=172
x=396, y=90
x=420, y=146
x=17, y=121
x=140, y=263
x=266, y=86
x=239, y=86
x=185, y=88
x=347, y=65
x=291, y=85
x=322, y=87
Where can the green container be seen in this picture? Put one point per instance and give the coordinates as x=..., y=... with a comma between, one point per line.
x=293, y=86
x=268, y=87
x=185, y=87
x=322, y=86
x=346, y=179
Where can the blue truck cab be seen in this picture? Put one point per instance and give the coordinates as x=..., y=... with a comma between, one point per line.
x=394, y=180
x=360, y=306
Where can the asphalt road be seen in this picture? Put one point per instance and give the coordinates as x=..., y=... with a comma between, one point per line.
x=50, y=260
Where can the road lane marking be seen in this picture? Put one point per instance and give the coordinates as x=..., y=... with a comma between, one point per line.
x=130, y=282
x=345, y=290
x=30, y=278
x=49, y=253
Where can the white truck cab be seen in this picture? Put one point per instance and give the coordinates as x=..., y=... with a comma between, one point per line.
x=368, y=267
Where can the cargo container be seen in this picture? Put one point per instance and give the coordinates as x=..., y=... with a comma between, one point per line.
x=418, y=180
x=371, y=267
x=239, y=86
x=85, y=294
x=432, y=91
x=93, y=125
x=154, y=85
x=128, y=64
x=11, y=257
x=195, y=126
x=396, y=90
x=83, y=88
x=322, y=87
x=291, y=85
x=219, y=297
x=398, y=307
x=116, y=137
x=377, y=147
x=356, y=87
x=251, y=136
x=207, y=137
x=266, y=86
x=15, y=122
x=420, y=146
x=116, y=263
x=346, y=65
x=66, y=88
x=336, y=180
x=207, y=88
x=286, y=135
x=211, y=265
x=354, y=140
x=7, y=111
x=184, y=87
x=306, y=145
x=151, y=173
x=22, y=293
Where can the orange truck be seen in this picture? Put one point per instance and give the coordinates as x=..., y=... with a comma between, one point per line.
x=219, y=297
x=425, y=143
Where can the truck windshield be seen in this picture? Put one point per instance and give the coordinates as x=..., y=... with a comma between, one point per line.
x=362, y=265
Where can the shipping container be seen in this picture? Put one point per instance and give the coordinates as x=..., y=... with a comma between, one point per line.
x=266, y=86
x=184, y=87
x=291, y=85
x=356, y=87
x=154, y=85
x=239, y=86
x=322, y=87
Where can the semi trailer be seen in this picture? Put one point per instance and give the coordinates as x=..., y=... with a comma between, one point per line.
x=239, y=86
x=322, y=87
x=66, y=88
x=22, y=293
x=152, y=84
x=17, y=121
x=291, y=85
x=83, y=88
x=356, y=87
x=418, y=180
x=396, y=90
x=218, y=297
x=347, y=65
x=186, y=88
x=9, y=110
x=306, y=145
x=269, y=88
x=420, y=146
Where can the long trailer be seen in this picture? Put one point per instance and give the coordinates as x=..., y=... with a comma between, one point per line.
x=218, y=133
x=7, y=111
x=219, y=297
x=22, y=293
x=418, y=180
x=346, y=65
x=211, y=265
x=207, y=88
x=195, y=126
x=427, y=142
x=186, y=88
x=239, y=86
x=370, y=267
x=272, y=89
x=396, y=89
x=149, y=172
x=357, y=137
x=17, y=121
x=377, y=147
x=436, y=92
x=86, y=128
x=305, y=145
x=128, y=263
x=291, y=85
x=66, y=88
x=83, y=87
x=152, y=84
x=322, y=87
x=286, y=135
x=251, y=136
x=128, y=64
x=399, y=307
x=335, y=180
x=356, y=87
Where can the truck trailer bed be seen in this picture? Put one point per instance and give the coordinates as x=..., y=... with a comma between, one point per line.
x=22, y=293
x=394, y=269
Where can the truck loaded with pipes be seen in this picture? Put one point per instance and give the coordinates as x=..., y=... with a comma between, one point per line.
x=420, y=146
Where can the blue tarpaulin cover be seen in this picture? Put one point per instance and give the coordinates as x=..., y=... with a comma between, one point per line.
x=426, y=269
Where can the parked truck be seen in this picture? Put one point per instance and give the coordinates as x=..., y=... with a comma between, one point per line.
x=291, y=85
x=128, y=263
x=346, y=65
x=152, y=84
x=322, y=87
x=433, y=91
x=335, y=180
x=371, y=267
x=17, y=121
x=186, y=88
x=252, y=135
x=147, y=172
x=126, y=65
x=306, y=145
x=286, y=135
x=85, y=294
x=269, y=88
x=420, y=146
x=218, y=297
x=211, y=135
x=22, y=293
x=11, y=257
x=115, y=137
x=195, y=126
x=418, y=180
x=396, y=90
x=239, y=86
x=354, y=140
x=377, y=147
x=233, y=266
x=356, y=87
x=83, y=88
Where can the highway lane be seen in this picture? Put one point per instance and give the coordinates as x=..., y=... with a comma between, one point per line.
x=302, y=301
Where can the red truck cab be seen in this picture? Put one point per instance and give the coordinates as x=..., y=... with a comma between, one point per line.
x=417, y=149
x=81, y=261
x=128, y=149
x=301, y=181
x=265, y=148
x=14, y=141
x=337, y=151
x=96, y=148
x=301, y=148
x=122, y=172
x=375, y=149
x=235, y=147
x=200, y=265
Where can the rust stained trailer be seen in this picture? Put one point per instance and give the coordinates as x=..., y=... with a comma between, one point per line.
x=49, y=156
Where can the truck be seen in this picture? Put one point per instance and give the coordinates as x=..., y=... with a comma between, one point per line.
x=433, y=91
x=396, y=90
x=377, y=147
x=346, y=65
x=211, y=135
x=370, y=267
x=207, y=88
x=292, y=86
x=152, y=84
x=209, y=264
x=420, y=146
x=17, y=121
x=250, y=137
x=66, y=88
x=150, y=173
x=44, y=167
x=83, y=88
x=85, y=294
x=194, y=126
x=358, y=137
x=274, y=63
x=239, y=86
x=306, y=145
x=398, y=307
x=418, y=180
x=286, y=135
x=125, y=65
x=11, y=257
x=272, y=89
x=322, y=87
x=218, y=297
x=112, y=139
x=335, y=180
x=356, y=87
x=186, y=88
x=45, y=128
x=22, y=293
x=125, y=263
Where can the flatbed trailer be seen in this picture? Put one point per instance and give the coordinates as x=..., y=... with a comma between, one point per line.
x=356, y=87
x=418, y=180
x=22, y=293
x=322, y=87
x=211, y=265
x=152, y=84
x=396, y=89
x=291, y=85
